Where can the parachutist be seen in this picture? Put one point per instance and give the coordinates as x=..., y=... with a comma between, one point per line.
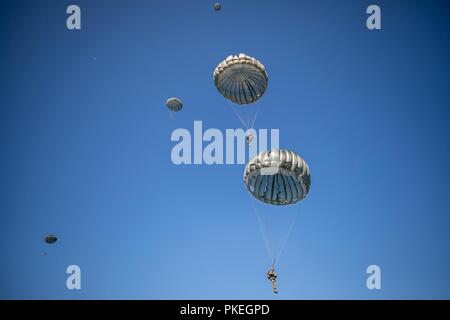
x=249, y=139
x=272, y=276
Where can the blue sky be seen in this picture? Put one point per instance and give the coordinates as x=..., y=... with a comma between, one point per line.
x=85, y=149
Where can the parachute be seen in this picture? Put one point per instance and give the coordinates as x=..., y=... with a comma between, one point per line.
x=174, y=104
x=217, y=6
x=50, y=239
x=276, y=180
x=241, y=79
x=278, y=177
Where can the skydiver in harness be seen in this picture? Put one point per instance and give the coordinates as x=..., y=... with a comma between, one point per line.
x=249, y=138
x=272, y=276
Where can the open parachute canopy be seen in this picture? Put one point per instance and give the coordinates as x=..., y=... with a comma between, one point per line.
x=241, y=79
x=174, y=104
x=50, y=239
x=278, y=177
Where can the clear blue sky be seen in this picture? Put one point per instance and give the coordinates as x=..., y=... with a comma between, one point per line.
x=85, y=149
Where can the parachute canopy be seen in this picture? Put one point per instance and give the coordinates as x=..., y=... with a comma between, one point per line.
x=50, y=239
x=217, y=6
x=174, y=104
x=241, y=79
x=278, y=177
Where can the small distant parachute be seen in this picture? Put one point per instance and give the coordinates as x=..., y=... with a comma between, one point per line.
x=278, y=177
x=174, y=104
x=217, y=6
x=241, y=79
x=50, y=239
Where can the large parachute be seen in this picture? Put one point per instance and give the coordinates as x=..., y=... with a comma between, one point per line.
x=241, y=79
x=277, y=180
x=278, y=177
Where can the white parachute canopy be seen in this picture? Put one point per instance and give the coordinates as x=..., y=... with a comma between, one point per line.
x=174, y=104
x=278, y=177
x=242, y=80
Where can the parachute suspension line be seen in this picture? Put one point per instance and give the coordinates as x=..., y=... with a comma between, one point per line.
x=238, y=115
x=252, y=123
x=271, y=239
x=283, y=243
x=246, y=123
x=264, y=235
